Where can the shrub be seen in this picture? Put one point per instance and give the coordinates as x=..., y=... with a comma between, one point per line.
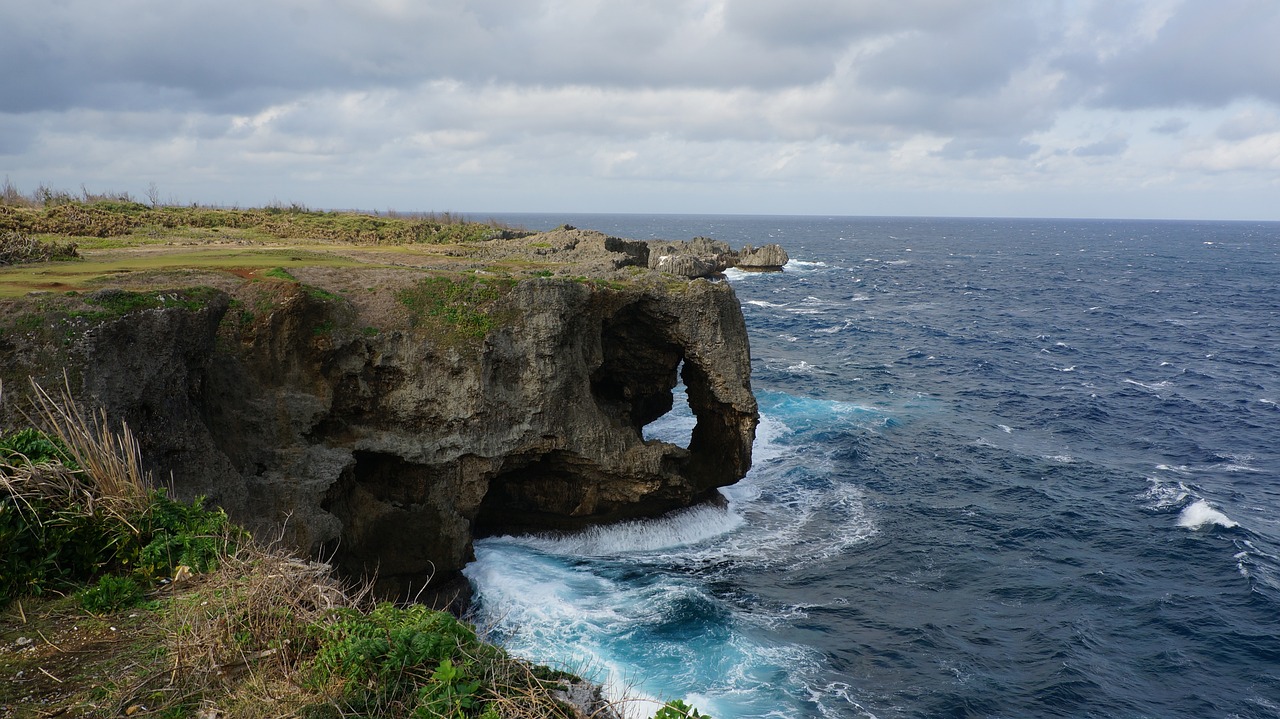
x=31, y=446
x=74, y=505
x=174, y=534
x=111, y=594
x=413, y=657
x=18, y=248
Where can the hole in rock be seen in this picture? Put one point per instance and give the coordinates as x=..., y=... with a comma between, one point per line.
x=676, y=426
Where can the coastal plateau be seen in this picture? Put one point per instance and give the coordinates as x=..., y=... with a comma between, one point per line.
x=381, y=406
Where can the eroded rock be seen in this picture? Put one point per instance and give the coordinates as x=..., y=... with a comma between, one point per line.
x=389, y=448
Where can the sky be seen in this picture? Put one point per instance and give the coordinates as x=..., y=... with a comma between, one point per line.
x=1020, y=108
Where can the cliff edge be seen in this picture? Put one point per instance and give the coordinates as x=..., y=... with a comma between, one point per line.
x=386, y=408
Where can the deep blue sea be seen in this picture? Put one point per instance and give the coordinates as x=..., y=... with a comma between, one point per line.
x=1005, y=468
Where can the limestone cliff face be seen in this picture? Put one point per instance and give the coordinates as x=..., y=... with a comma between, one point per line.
x=391, y=449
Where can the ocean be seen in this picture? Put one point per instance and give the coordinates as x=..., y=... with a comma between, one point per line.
x=1005, y=468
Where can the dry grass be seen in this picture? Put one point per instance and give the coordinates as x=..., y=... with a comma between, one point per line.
x=239, y=638
x=19, y=248
x=108, y=479
x=110, y=461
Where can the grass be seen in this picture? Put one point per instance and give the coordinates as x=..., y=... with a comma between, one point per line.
x=456, y=309
x=79, y=276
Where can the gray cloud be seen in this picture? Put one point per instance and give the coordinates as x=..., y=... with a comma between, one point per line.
x=1170, y=126
x=1206, y=54
x=1248, y=124
x=987, y=149
x=976, y=55
x=1108, y=147
x=696, y=90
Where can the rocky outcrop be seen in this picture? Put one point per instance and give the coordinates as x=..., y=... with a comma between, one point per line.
x=574, y=252
x=769, y=258
x=389, y=443
x=704, y=257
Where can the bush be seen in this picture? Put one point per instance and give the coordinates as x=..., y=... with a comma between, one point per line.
x=415, y=658
x=31, y=446
x=60, y=528
x=174, y=534
x=18, y=248
x=111, y=594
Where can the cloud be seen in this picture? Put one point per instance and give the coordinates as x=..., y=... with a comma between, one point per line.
x=1108, y=147
x=922, y=95
x=1170, y=126
x=986, y=149
x=1247, y=124
x=1202, y=54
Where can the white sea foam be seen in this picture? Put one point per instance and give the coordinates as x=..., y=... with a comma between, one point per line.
x=803, y=265
x=764, y=303
x=1005, y=428
x=677, y=529
x=1200, y=513
x=1162, y=495
x=1154, y=387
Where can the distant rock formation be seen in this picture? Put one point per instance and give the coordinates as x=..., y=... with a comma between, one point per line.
x=704, y=257
x=769, y=258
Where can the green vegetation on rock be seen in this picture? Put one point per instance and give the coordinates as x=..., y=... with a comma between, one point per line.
x=455, y=309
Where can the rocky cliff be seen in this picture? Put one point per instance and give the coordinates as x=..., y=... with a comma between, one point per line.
x=386, y=419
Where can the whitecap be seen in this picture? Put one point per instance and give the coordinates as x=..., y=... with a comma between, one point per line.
x=1061, y=458
x=1072, y=368
x=1201, y=513
x=1149, y=387
x=681, y=528
x=1005, y=428
x=803, y=266
x=1161, y=495
x=763, y=303
x=802, y=367
x=1239, y=468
